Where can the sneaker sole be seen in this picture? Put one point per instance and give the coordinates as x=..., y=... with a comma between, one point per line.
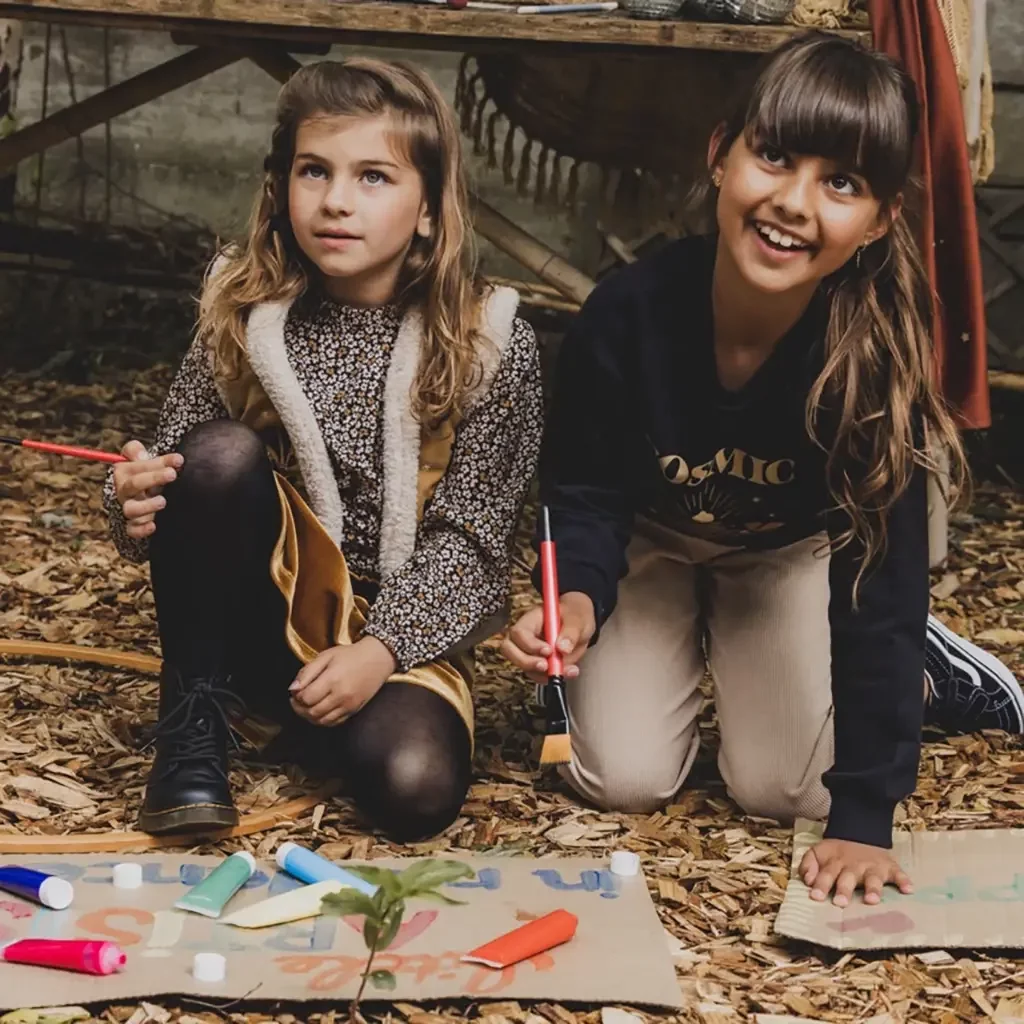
x=193, y=818
x=986, y=662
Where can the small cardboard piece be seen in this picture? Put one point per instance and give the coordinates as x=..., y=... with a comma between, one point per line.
x=968, y=894
x=619, y=953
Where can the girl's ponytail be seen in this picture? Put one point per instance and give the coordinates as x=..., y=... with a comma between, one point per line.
x=875, y=408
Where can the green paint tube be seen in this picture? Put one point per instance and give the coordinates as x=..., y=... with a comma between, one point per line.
x=211, y=895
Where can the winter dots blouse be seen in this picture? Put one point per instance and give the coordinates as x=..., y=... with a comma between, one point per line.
x=459, y=573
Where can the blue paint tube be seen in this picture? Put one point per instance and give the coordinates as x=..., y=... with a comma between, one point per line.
x=48, y=890
x=310, y=867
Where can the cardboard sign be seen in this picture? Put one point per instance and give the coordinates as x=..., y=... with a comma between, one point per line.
x=968, y=893
x=618, y=955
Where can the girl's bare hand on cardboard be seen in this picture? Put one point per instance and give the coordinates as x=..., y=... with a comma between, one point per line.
x=139, y=483
x=525, y=647
x=847, y=866
x=340, y=680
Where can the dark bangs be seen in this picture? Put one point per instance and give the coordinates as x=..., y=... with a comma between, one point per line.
x=827, y=97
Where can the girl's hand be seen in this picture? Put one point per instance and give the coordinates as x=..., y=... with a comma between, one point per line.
x=340, y=680
x=138, y=483
x=525, y=647
x=847, y=865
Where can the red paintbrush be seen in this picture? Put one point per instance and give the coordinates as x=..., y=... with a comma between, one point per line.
x=63, y=449
x=557, y=747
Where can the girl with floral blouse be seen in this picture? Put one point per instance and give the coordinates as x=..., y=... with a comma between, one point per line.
x=329, y=504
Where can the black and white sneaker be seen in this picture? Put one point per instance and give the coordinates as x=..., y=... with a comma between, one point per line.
x=970, y=688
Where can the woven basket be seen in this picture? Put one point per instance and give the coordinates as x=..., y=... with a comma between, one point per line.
x=756, y=11
x=652, y=8
x=635, y=119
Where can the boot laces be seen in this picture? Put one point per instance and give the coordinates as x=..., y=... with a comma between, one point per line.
x=190, y=727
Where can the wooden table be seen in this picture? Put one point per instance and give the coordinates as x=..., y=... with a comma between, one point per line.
x=264, y=31
x=403, y=24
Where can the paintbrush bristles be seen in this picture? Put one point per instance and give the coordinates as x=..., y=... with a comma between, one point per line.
x=557, y=749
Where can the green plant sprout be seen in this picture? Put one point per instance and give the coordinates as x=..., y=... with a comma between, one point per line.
x=384, y=910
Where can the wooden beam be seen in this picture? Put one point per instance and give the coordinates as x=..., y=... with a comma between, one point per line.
x=222, y=40
x=1002, y=182
x=1010, y=259
x=999, y=290
x=276, y=63
x=1006, y=381
x=530, y=252
x=1000, y=216
x=395, y=24
x=118, y=99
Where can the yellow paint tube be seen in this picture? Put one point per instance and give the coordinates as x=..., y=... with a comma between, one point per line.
x=289, y=906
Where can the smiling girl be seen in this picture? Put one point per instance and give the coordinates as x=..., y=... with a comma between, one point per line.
x=329, y=503
x=743, y=428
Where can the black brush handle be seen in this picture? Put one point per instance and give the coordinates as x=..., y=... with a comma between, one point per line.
x=557, y=721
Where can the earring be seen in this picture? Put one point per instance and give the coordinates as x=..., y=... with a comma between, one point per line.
x=859, y=253
x=716, y=179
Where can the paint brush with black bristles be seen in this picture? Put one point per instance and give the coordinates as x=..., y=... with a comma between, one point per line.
x=557, y=746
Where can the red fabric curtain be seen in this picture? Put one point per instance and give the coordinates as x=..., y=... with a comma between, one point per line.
x=912, y=31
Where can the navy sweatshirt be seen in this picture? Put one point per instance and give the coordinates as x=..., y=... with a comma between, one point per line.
x=640, y=425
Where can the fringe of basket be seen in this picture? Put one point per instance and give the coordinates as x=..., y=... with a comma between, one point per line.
x=479, y=120
x=620, y=188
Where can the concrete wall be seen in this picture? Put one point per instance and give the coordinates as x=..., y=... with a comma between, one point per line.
x=1006, y=46
x=197, y=153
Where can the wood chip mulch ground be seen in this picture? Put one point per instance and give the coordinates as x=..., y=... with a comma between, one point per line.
x=70, y=759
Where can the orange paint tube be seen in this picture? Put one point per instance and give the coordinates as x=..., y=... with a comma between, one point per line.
x=535, y=937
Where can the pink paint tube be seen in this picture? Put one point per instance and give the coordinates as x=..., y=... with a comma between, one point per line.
x=86, y=956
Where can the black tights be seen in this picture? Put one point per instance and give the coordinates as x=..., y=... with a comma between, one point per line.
x=405, y=756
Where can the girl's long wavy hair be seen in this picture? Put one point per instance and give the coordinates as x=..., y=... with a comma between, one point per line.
x=438, y=276
x=875, y=408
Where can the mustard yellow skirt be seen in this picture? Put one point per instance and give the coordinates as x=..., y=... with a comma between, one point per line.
x=324, y=611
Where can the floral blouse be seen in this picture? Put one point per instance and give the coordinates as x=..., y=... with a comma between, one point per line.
x=460, y=571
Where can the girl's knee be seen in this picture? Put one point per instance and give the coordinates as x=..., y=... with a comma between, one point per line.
x=632, y=778
x=624, y=784
x=780, y=799
x=415, y=797
x=220, y=454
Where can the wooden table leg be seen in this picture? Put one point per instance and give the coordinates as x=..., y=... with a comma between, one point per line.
x=118, y=99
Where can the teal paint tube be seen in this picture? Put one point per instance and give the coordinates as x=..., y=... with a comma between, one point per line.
x=211, y=895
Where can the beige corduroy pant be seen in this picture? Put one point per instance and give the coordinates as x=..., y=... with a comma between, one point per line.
x=759, y=621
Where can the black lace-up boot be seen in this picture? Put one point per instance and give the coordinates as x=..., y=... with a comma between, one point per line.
x=188, y=788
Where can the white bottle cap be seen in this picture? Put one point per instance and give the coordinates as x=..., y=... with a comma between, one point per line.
x=127, y=875
x=282, y=853
x=247, y=857
x=209, y=967
x=624, y=862
x=56, y=893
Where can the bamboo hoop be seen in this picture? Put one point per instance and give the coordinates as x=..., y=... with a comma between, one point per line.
x=118, y=842
x=38, y=649
x=113, y=842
